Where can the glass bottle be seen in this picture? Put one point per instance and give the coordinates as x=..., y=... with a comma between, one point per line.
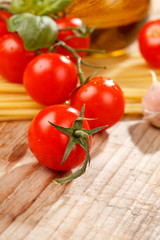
x=118, y=20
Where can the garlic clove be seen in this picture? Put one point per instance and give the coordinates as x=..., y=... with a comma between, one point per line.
x=152, y=117
x=151, y=103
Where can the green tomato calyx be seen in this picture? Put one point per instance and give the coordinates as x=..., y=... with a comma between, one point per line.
x=77, y=135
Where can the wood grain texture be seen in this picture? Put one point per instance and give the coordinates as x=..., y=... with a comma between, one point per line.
x=118, y=198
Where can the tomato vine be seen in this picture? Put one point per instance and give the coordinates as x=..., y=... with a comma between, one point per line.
x=41, y=29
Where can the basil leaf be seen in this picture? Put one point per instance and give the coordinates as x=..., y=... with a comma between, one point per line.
x=41, y=7
x=36, y=31
x=53, y=6
x=21, y=6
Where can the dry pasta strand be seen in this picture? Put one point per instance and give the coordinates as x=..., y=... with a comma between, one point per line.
x=10, y=87
x=16, y=118
x=4, y=97
x=133, y=108
x=16, y=105
x=19, y=112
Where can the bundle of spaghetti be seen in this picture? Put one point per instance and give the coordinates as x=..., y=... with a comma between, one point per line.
x=15, y=103
x=131, y=73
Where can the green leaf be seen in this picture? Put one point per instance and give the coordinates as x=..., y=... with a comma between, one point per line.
x=41, y=7
x=53, y=6
x=36, y=32
x=21, y=6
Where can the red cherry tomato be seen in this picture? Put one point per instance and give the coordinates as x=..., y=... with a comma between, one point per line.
x=13, y=58
x=75, y=42
x=103, y=100
x=3, y=25
x=149, y=42
x=48, y=144
x=50, y=78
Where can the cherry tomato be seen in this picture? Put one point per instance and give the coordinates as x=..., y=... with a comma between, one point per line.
x=103, y=99
x=13, y=57
x=3, y=25
x=149, y=42
x=48, y=144
x=75, y=42
x=50, y=78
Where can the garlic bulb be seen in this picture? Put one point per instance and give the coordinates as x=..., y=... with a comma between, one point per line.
x=151, y=103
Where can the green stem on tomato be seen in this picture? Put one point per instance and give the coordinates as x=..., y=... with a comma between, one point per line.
x=82, y=31
x=89, y=50
x=68, y=28
x=92, y=65
x=77, y=135
x=80, y=72
x=52, y=48
x=92, y=75
x=85, y=144
x=79, y=60
x=74, y=175
x=79, y=31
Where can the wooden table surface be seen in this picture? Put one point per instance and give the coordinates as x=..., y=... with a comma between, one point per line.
x=118, y=198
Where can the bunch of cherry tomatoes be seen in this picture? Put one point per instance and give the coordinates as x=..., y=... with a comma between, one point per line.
x=51, y=79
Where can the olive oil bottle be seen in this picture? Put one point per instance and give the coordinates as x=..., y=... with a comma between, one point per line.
x=118, y=21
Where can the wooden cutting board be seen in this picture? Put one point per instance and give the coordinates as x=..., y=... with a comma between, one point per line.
x=118, y=198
